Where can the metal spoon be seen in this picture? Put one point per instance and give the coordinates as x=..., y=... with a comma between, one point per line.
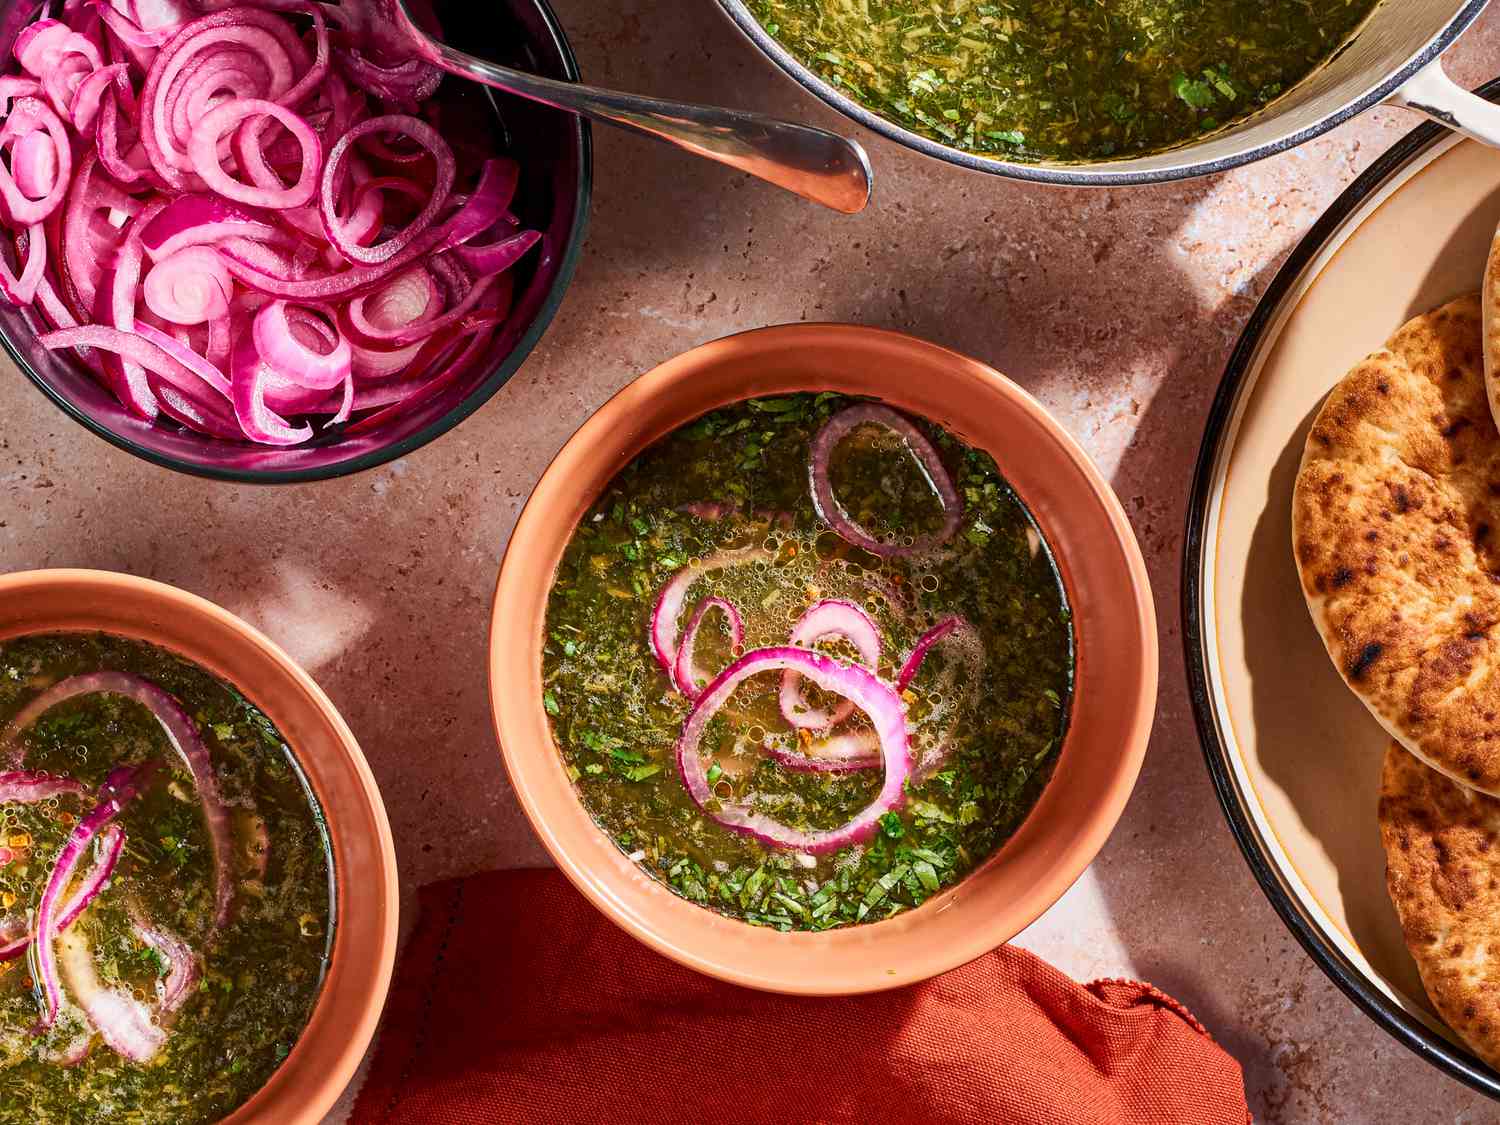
x=813, y=163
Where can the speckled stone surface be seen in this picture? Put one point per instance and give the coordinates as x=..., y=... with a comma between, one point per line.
x=1117, y=309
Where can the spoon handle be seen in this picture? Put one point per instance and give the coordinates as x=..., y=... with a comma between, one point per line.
x=814, y=163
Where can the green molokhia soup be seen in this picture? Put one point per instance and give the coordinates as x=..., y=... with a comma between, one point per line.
x=1060, y=80
x=165, y=887
x=808, y=661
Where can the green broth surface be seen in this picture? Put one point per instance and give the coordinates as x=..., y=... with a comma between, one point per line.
x=986, y=712
x=260, y=975
x=1060, y=80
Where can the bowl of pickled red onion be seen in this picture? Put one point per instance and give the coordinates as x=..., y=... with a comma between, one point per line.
x=262, y=241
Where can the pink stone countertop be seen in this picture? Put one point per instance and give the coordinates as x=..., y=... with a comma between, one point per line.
x=1117, y=309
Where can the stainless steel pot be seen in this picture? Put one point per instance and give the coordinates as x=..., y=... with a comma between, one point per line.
x=1394, y=58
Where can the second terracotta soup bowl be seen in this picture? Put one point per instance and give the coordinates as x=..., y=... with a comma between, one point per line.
x=305, y=1086
x=1114, y=630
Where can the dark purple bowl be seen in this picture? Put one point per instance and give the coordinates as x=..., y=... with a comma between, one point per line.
x=555, y=154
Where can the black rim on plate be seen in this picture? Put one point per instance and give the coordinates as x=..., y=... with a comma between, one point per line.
x=1097, y=174
x=1423, y=1040
x=480, y=394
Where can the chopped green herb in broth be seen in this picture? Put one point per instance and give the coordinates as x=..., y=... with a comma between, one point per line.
x=743, y=471
x=1062, y=79
x=261, y=974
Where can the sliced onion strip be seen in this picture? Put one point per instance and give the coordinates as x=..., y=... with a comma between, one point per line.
x=830, y=617
x=204, y=153
x=124, y=1023
x=119, y=789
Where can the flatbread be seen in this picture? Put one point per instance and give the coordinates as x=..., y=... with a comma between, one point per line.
x=1489, y=295
x=1442, y=854
x=1396, y=533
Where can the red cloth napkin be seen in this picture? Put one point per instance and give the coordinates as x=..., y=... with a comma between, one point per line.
x=516, y=1001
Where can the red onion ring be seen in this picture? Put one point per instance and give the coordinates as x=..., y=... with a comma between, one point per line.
x=33, y=162
x=838, y=753
x=669, y=603
x=202, y=55
x=203, y=218
x=876, y=699
x=198, y=365
x=424, y=328
x=830, y=617
x=292, y=358
x=204, y=153
x=27, y=116
x=441, y=374
x=22, y=290
x=964, y=682
x=90, y=93
x=407, y=299
x=477, y=215
x=191, y=286
x=126, y=345
x=444, y=170
x=17, y=86
x=248, y=378
x=131, y=33
x=59, y=57
x=827, y=506
x=183, y=968
x=497, y=257
x=198, y=410
x=81, y=255
x=29, y=786
x=685, y=670
x=925, y=642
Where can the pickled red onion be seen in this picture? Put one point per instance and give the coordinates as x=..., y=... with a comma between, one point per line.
x=830, y=617
x=109, y=843
x=124, y=1023
x=831, y=512
x=685, y=670
x=199, y=142
x=182, y=735
x=669, y=603
x=871, y=695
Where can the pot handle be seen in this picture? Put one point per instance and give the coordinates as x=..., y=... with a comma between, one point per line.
x=1432, y=93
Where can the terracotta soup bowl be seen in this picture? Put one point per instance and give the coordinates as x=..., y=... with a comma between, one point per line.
x=1115, y=638
x=309, y=1081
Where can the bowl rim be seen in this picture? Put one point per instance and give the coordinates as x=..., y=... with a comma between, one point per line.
x=1092, y=173
x=1402, y=1026
x=354, y=1038
x=610, y=427
x=466, y=406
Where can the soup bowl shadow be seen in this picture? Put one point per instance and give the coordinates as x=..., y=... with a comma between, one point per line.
x=1114, y=628
x=327, y=1053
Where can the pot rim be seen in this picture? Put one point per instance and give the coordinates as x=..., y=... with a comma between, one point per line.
x=729, y=949
x=1095, y=173
x=318, y=1096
